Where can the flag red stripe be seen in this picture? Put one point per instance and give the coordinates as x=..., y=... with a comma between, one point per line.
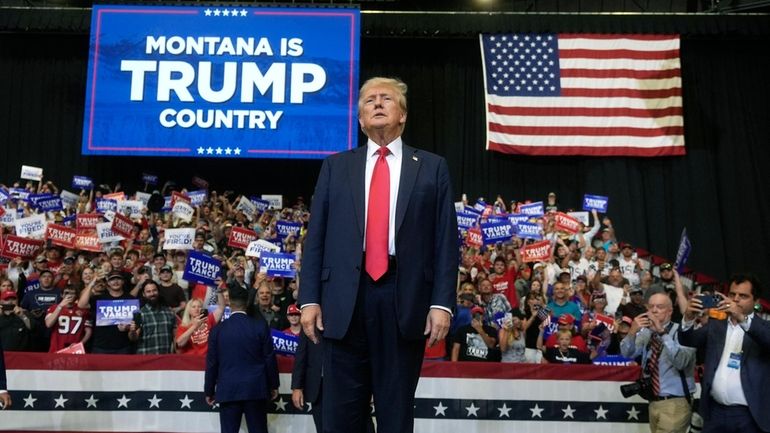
x=586, y=130
x=584, y=111
x=619, y=73
x=634, y=37
x=618, y=54
x=618, y=150
x=622, y=93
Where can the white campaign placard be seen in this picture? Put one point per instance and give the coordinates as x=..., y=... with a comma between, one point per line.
x=132, y=208
x=70, y=199
x=276, y=200
x=580, y=216
x=29, y=172
x=179, y=239
x=183, y=211
x=143, y=197
x=105, y=233
x=31, y=227
x=248, y=207
x=9, y=218
x=255, y=248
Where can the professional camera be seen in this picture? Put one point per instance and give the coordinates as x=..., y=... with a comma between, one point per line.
x=643, y=387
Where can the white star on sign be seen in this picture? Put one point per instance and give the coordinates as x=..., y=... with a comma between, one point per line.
x=440, y=409
x=504, y=411
x=60, y=401
x=226, y=13
x=200, y=150
x=207, y=12
x=219, y=150
x=185, y=402
x=155, y=401
x=91, y=401
x=472, y=410
x=234, y=13
x=228, y=151
x=243, y=12
x=237, y=151
x=537, y=411
x=601, y=412
x=568, y=412
x=633, y=413
x=123, y=401
x=216, y=12
x=280, y=404
x=30, y=401
x=210, y=150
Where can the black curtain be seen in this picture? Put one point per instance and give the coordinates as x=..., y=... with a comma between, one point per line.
x=717, y=190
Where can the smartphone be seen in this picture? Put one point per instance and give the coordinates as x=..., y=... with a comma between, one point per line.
x=709, y=301
x=138, y=318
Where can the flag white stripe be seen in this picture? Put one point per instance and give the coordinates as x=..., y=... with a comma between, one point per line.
x=620, y=43
x=582, y=102
x=619, y=83
x=603, y=64
x=586, y=121
x=587, y=141
x=77, y=380
x=488, y=426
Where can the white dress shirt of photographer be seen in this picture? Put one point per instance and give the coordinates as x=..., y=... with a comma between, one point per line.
x=670, y=410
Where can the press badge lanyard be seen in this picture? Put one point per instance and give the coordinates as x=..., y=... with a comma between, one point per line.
x=736, y=352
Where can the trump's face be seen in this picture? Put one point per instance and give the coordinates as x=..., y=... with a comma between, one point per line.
x=381, y=111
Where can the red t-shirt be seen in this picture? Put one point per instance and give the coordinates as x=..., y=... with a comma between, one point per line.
x=198, y=292
x=198, y=344
x=70, y=327
x=505, y=285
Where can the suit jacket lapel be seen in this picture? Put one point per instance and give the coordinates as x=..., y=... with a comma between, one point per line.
x=410, y=165
x=357, y=184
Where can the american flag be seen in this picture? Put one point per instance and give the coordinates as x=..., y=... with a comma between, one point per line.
x=583, y=94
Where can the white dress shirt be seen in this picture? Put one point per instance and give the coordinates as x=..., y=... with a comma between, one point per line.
x=394, y=166
x=727, y=388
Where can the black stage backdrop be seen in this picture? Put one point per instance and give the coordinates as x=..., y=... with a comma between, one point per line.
x=718, y=190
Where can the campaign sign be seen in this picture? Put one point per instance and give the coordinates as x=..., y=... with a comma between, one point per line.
x=277, y=264
x=51, y=204
x=459, y=206
x=69, y=219
x=149, y=179
x=197, y=198
x=70, y=199
x=216, y=82
x=286, y=228
x=2, y=211
x=283, y=343
x=132, y=208
x=61, y=235
x=537, y=252
x=275, y=200
x=259, y=204
x=88, y=242
x=240, y=237
x=466, y=220
x=183, y=211
x=19, y=247
x=179, y=239
x=525, y=230
x=82, y=182
x=532, y=209
x=580, y=216
x=31, y=173
x=256, y=247
x=123, y=226
x=8, y=219
x=518, y=218
x=178, y=196
x=143, y=197
x=105, y=233
x=566, y=223
x=117, y=196
x=474, y=238
x=496, y=232
x=473, y=210
x=480, y=205
x=247, y=207
x=202, y=268
x=73, y=349
x=103, y=205
x=31, y=227
x=19, y=193
x=612, y=360
x=35, y=198
x=87, y=221
x=225, y=315
x=683, y=252
x=111, y=312
x=4, y=195
x=595, y=202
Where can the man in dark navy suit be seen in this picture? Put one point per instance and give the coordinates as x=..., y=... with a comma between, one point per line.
x=241, y=369
x=379, y=267
x=306, y=378
x=5, y=397
x=737, y=366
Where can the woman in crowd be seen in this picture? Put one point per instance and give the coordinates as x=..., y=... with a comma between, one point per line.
x=511, y=337
x=192, y=332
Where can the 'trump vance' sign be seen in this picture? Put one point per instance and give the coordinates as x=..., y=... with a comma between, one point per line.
x=227, y=82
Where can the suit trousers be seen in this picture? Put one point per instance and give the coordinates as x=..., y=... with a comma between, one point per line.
x=255, y=412
x=372, y=359
x=670, y=416
x=729, y=419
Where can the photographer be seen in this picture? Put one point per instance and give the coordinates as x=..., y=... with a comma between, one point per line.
x=667, y=367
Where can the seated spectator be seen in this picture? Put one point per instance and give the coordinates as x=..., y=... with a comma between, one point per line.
x=477, y=341
x=564, y=353
x=511, y=337
x=292, y=315
x=16, y=325
x=69, y=323
x=192, y=332
x=154, y=332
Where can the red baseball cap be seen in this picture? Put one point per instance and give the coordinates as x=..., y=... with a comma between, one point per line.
x=566, y=319
x=476, y=310
x=8, y=294
x=293, y=309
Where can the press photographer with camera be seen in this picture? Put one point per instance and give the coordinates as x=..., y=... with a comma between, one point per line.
x=667, y=367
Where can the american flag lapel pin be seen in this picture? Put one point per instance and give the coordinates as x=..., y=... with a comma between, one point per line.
x=415, y=158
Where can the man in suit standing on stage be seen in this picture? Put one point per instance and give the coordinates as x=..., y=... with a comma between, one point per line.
x=737, y=366
x=5, y=397
x=241, y=369
x=379, y=267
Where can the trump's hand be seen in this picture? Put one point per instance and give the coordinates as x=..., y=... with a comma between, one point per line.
x=298, y=398
x=5, y=399
x=437, y=325
x=210, y=400
x=311, y=320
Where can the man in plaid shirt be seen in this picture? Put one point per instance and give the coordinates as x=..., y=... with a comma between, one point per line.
x=154, y=327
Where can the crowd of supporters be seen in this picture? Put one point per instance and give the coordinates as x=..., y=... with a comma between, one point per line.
x=574, y=306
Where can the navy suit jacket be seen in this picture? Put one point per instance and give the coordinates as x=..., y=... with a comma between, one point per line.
x=426, y=240
x=240, y=363
x=755, y=364
x=306, y=374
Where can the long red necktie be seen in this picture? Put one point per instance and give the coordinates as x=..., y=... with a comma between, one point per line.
x=378, y=217
x=656, y=347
